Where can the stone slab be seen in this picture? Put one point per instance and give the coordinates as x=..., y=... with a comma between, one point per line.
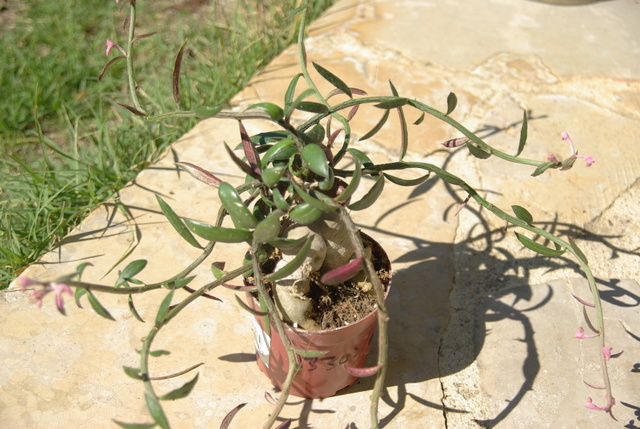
x=471, y=340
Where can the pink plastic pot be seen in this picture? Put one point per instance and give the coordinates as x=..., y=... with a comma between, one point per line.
x=323, y=376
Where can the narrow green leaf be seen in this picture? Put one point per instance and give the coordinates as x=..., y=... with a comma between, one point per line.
x=133, y=372
x=287, y=243
x=182, y=391
x=449, y=178
x=538, y=248
x=420, y=119
x=362, y=157
x=249, y=309
x=133, y=310
x=333, y=79
x=577, y=250
x=312, y=106
x=219, y=233
x=130, y=271
x=404, y=133
x=326, y=207
x=180, y=283
x=523, y=214
x=291, y=90
x=164, y=309
x=79, y=293
x=310, y=353
x=239, y=213
x=393, y=103
x=478, y=152
x=353, y=185
x=371, y=196
x=542, y=168
x=158, y=353
x=292, y=265
x=155, y=409
x=97, y=307
x=452, y=102
x=314, y=156
x=523, y=134
x=407, y=182
x=134, y=425
x=279, y=200
x=377, y=127
x=177, y=223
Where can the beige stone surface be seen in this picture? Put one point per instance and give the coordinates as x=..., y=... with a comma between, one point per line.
x=481, y=331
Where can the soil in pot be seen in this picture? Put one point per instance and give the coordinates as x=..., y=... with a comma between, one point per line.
x=348, y=316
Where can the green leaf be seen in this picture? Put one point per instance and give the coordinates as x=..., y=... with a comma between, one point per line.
x=287, y=243
x=268, y=229
x=275, y=112
x=158, y=353
x=279, y=200
x=133, y=373
x=304, y=214
x=393, y=103
x=219, y=233
x=182, y=391
x=310, y=353
x=353, y=185
x=97, y=307
x=240, y=214
x=314, y=156
x=377, y=127
x=271, y=176
x=164, y=309
x=523, y=134
x=452, y=102
x=134, y=425
x=249, y=309
x=478, y=152
x=407, y=182
x=155, y=409
x=371, y=196
x=133, y=310
x=362, y=157
x=282, y=150
x=538, y=248
x=577, y=251
x=312, y=106
x=542, y=168
x=79, y=293
x=404, y=133
x=292, y=265
x=522, y=213
x=315, y=134
x=449, y=178
x=420, y=119
x=130, y=271
x=326, y=207
x=291, y=90
x=333, y=79
x=177, y=223
x=177, y=284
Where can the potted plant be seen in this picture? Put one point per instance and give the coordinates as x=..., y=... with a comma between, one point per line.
x=304, y=250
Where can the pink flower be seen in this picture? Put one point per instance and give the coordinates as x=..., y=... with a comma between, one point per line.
x=568, y=163
x=111, y=44
x=607, y=408
x=608, y=355
x=45, y=288
x=581, y=335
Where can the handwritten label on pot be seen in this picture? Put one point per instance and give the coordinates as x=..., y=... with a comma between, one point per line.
x=263, y=342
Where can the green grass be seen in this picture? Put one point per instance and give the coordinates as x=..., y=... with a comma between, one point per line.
x=65, y=146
